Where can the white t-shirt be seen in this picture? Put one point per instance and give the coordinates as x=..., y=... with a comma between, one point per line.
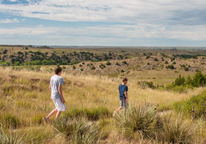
x=55, y=82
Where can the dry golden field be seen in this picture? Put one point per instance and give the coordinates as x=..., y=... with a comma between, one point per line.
x=91, y=95
x=25, y=100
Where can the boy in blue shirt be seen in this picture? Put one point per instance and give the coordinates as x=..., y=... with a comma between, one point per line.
x=123, y=95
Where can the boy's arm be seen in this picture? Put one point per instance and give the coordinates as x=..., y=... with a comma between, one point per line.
x=61, y=94
x=50, y=87
x=125, y=93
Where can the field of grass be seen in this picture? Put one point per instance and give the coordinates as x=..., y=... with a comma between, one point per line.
x=25, y=100
x=91, y=97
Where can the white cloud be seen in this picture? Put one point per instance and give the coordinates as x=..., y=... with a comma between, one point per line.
x=170, y=19
x=193, y=33
x=9, y=21
x=132, y=11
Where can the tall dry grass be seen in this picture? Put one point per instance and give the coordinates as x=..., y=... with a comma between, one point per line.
x=25, y=100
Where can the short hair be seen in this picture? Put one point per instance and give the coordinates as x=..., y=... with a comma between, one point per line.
x=57, y=70
x=124, y=79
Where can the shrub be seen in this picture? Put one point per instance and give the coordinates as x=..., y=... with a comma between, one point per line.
x=180, y=81
x=108, y=63
x=146, y=84
x=175, y=131
x=117, y=64
x=78, y=131
x=64, y=67
x=124, y=62
x=75, y=62
x=139, y=121
x=74, y=67
x=199, y=79
x=195, y=106
x=166, y=62
x=155, y=59
x=186, y=69
x=93, y=68
x=102, y=66
x=172, y=59
x=147, y=57
x=170, y=67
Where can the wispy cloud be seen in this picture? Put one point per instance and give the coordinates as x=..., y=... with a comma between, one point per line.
x=9, y=20
x=143, y=19
x=131, y=11
x=117, y=31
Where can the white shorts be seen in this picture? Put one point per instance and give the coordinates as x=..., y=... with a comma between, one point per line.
x=59, y=105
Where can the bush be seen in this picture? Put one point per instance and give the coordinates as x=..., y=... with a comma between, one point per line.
x=124, y=62
x=147, y=57
x=108, y=63
x=75, y=62
x=175, y=131
x=195, y=106
x=117, y=64
x=78, y=131
x=139, y=121
x=170, y=67
x=146, y=84
x=186, y=69
x=102, y=66
x=166, y=62
x=198, y=80
x=93, y=68
x=155, y=59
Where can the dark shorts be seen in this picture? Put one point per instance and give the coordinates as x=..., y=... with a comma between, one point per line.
x=123, y=103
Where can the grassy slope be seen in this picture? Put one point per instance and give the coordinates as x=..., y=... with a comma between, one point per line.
x=26, y=96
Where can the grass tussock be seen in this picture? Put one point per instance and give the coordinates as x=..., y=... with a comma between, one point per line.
x=139, y=121
x=78, y=130
x=176, y=130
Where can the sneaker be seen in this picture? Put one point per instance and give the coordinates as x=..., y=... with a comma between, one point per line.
x=46, y=119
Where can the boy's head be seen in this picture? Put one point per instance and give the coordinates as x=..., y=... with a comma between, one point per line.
x=58, y=70
x=124, y=80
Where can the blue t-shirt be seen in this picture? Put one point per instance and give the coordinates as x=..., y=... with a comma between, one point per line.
x=122, y=88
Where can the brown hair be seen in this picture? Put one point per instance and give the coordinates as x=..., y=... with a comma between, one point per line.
x=57, y=70
x=124, y=79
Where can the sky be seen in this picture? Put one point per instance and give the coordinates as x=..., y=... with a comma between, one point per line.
x=103, y=22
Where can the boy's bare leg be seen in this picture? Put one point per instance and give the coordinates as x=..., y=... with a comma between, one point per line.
x=58, y=114
x=118, y=109
x=52, y=113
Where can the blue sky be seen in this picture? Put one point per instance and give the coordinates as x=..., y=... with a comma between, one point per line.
x=103, y=22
